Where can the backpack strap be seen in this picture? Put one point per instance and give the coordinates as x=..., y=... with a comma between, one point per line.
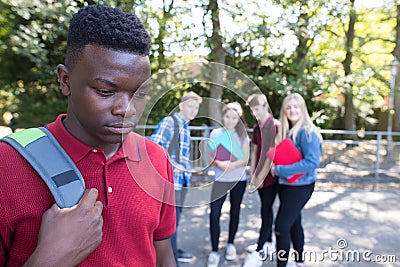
x=40, y=148
x=174, y=145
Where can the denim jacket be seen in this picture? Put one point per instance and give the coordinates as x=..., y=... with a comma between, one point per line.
x=311, y=148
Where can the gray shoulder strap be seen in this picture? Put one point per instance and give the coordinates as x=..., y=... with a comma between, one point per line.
x=174, y=144
x=40, y=148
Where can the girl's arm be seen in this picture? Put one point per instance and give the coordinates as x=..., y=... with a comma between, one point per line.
x=311, y=150
x=253, y=160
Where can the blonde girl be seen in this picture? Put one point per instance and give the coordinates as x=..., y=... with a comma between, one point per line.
x=295, y=124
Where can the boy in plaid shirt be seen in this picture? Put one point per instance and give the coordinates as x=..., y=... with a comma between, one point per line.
x=179, y=150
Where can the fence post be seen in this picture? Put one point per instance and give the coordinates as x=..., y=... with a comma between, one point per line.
x=206, y=135
x=378, y=156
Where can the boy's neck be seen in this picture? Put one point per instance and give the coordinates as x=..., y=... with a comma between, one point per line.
x=264, y=120
x=182, y=116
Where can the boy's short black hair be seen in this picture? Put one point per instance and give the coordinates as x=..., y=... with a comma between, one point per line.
x=108, y=27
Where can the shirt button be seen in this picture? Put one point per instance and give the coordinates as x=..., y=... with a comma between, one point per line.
x=109, y=189
x=94, y=150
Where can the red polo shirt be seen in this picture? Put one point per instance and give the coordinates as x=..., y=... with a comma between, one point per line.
x=264, y=138
x=135, y=187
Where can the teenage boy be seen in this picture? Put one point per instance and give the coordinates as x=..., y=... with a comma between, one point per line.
x=179, y=148
x=117, y=222
x=263, y=138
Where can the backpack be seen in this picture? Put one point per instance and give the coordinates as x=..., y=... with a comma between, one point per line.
x=174, y=144
x=41, y=149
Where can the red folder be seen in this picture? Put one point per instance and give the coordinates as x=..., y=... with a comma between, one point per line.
x=286, y=153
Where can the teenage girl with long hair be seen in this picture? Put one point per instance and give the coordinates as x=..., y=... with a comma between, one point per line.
x=230, y=176
x=297, y=125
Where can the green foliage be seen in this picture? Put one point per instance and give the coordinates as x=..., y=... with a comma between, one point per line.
x=282, y=45
x=277, y=75
x=41, y=104
x=32, y=44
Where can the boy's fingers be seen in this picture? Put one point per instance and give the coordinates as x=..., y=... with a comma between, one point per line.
x=89, y=197
x=98, y=207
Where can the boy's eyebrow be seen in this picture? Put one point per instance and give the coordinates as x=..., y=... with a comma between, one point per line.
x=146, y=85
x=106, y=82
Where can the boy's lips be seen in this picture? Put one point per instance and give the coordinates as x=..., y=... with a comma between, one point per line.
x=121, y=128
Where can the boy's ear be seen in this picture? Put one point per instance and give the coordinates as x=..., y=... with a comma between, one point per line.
x=63, y=79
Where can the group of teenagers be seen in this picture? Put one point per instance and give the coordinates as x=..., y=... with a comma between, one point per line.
x=231, y=177
x=136, y=186
x=269, y=179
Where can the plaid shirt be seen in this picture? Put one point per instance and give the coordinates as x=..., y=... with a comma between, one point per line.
x=163, y=135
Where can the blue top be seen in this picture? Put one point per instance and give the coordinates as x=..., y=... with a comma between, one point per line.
x=310, y=147
x=163, y=135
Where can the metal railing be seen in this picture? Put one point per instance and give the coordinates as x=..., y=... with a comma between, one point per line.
x=361, y=155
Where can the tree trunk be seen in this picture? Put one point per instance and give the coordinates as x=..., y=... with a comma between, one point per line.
x=396, y=53
x=349, y=116
x=302, y=36
x=159, y=40
x=218, y=57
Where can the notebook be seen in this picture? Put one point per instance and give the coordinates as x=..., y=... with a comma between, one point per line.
x=226, y=145
x=286, y=153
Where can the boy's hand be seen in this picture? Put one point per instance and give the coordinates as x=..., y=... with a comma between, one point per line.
x=67, y=236
x=256, y=182
x=273, y=171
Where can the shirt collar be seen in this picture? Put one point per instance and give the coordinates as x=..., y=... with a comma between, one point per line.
x=78, y=150
x=74, y=148
x=267, y=121
x=180, y=118
x=131, y=147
